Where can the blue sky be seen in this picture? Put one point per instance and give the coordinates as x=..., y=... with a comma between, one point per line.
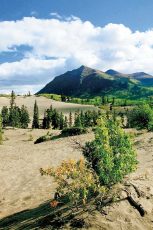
x=136, y=14
x=40, y=39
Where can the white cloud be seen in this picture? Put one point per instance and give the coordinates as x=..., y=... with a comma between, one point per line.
x=56, y=15
x=61, y=44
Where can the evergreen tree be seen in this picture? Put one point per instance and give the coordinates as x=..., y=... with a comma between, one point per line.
x=55, y=119
x=44, y=123
x=5, y=116
x=1, y=137
x=77, y=122
x=65, y=122
x=12, y=100
x=82, y=118
x=70, y=119
x=24, y=117
x=61, y=121
x=14, y=117
x=35, y=123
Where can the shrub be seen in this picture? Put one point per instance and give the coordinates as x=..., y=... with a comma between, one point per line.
x=43, y=138
x=111, y=154
x=75, y=181
x=1, y=137
x=141, y=117
x=72, y=131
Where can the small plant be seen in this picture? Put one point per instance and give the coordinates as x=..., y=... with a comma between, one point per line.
x=72, y=131
x=111, y=154
x=141, y=117
x=43, y=139
x=75, y=180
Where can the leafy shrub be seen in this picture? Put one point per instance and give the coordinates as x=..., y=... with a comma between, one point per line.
x=43, y=139
x=141, y=117
x=111, y=154
x=72, y=131
x=75, y=181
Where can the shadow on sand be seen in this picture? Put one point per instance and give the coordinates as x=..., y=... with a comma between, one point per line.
x=42, y=217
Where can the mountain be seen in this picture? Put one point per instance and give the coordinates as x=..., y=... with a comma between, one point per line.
x=141, y=77
x=85, y=81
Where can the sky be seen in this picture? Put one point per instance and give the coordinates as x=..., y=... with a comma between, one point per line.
x=40, y=39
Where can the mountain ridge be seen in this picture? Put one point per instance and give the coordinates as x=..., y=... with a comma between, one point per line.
x=86, y=81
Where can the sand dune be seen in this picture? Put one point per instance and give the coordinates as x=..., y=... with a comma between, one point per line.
x=22, y=186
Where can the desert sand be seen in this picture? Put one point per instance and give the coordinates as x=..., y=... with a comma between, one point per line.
x=23, y=188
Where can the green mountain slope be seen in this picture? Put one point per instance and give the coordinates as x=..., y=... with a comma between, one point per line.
x=85, y=81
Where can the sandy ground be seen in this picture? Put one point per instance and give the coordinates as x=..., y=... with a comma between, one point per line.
x=22, y=187
x=43, y=104
x=21, y=183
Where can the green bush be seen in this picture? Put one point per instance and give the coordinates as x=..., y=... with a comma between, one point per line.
x=72, y=131
x=111, y=154
x=43, y=139
x=141, y=117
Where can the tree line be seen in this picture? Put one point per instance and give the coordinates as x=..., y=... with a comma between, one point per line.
x=18, y=117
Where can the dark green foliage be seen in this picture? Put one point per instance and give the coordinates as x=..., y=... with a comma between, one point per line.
x=141, y=117
x=104, y=100
x=72, y=131
x=43, y=139
x=12, y=100
x=61, y=121
x=35, y=123
x=55, y=119
x=111, y=154
x=87, y=119
x=15, y=116
x=1, y=137
x=5, y=116
x=65, y=122
x=77, y=122
x=70, y=120
x=24, y=117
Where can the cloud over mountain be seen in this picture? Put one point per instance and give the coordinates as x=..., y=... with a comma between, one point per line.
x=57, y=45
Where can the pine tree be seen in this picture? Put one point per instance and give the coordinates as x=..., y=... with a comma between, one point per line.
x=12, y=100
x=14, y=117
x=5, y=116
x=61, y=121
x=55, y=119
x=35, y=123
x=70, y=119
x=44, y=123
x=1, y=137
x=65, y=122
x=24, y=117
x=77, y=122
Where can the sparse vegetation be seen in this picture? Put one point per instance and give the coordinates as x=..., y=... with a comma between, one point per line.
x=1, y=137
x=44, y=138
x=35, y=123
x=75, y=181
x=141, y=117
x=15, y=116
x=72, y=131
x=111, y=154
